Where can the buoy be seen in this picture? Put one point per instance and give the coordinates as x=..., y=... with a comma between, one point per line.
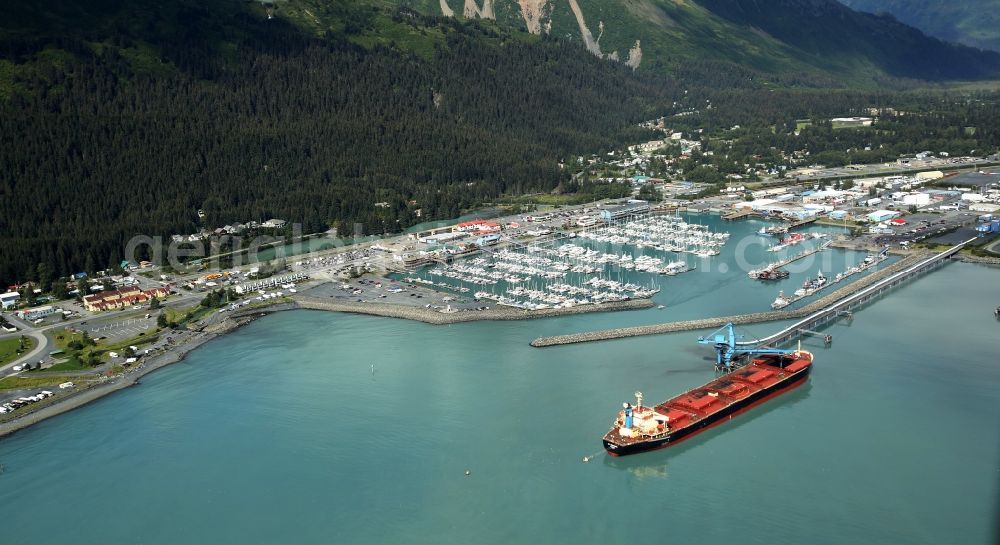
x=467, y=473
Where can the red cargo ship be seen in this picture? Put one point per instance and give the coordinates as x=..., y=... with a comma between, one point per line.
x=767, y=375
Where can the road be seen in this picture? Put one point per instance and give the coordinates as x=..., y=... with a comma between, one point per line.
x=889, y=169
x=39, y=334
x=41, y=347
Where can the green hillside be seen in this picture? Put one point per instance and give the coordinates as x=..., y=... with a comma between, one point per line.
x=127, y=118
x=814, y=40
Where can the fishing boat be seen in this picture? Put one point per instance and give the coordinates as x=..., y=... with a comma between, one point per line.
x=772, y=274
x=780, y=301
x=773, y=231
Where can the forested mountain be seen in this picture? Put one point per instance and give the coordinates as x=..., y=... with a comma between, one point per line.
x=813, y=37
x=147, y=111
x=126, y=117
x=969, y=22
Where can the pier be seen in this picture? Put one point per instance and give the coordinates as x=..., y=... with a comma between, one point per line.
x=817, y=313
x=800, y=223
x=801, y=255
x=832, y=311
x=738, y=215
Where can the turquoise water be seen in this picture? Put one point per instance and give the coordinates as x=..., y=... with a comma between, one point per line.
x=281, y=433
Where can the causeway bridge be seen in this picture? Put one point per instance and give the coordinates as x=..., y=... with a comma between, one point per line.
x=822, y=311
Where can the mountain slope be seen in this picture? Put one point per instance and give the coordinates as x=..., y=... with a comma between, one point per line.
x=813, y=37
x=971, y=22
x=828, y=29
x=126, y=118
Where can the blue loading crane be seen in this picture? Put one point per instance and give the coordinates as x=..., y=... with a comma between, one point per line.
x=730, y=352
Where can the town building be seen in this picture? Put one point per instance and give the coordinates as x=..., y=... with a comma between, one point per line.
x=36, y=313
x=9, y=299
x=122, y=298
x=879, y=216
x=629, y=210
x=488, y=240
x=478, y=226
x=916, y=199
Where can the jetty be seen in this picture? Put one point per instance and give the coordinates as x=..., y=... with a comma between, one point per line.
x=837, y=304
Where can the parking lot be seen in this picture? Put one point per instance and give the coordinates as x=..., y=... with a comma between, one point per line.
x=387, y=291
x=119, y=329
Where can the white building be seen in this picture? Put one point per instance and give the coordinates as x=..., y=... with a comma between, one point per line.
x=35, y=313
x=916, y=199
x=973, y=197
x=9, y=299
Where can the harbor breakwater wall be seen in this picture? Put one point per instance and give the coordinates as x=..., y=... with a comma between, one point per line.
x=740, y=319
x=436, y=317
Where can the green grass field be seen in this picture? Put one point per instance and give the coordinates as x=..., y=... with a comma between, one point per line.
x=11, y=349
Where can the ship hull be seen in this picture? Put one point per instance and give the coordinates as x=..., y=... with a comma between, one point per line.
x=712, y=420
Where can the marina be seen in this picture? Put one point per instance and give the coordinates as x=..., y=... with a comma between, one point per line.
x=820, y=311
x=617, y=262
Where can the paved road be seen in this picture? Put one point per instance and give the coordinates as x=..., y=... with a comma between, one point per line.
x=41, y=347
x=42, y=339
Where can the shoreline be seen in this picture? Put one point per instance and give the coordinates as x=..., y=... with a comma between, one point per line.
x=132, y=377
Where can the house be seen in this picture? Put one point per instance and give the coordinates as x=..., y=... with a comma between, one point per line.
x=274, y=224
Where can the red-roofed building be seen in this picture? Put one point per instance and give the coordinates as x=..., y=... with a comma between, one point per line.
x=478, y=226
x=121, y=298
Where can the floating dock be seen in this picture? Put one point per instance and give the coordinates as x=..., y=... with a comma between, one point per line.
x=801, y=255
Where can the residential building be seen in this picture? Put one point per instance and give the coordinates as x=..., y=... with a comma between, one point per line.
x=122, y=298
